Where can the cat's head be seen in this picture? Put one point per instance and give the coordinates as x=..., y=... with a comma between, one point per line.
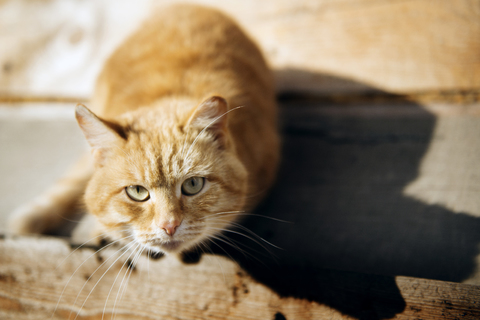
x=168, y=176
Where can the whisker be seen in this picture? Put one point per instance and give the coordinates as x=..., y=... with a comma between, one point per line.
x=223, y=236
x=129, y=261
x=203, y=244
x=211, y=240
x=129, y=272
x=203, y=130
x=66, y=219
x=80, y=246
x=78, y=313
x=243, y=235
x=114, y=281
x=219, y=213
x=242, y=213
x=246, y=236
x=254, y=234
x=65, y=287
x=149, y=252
x=235, y=246
x=226, y=241
x=237, y=225
x=245, y=252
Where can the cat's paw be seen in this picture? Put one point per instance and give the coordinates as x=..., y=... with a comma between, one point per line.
x=190, y=257
x=28, y=219
x=90, y=231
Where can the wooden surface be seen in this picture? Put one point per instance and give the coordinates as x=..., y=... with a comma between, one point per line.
x=55, y=48
x=345, y=183
x=340, y=189
x=40, y=275
x=370, y=184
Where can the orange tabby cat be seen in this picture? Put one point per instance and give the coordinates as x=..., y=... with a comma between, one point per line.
x=183, y=135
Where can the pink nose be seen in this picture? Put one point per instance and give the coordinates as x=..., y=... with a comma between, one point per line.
x=170, y=226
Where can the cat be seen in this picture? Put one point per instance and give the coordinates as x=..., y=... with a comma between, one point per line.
x=183, y=135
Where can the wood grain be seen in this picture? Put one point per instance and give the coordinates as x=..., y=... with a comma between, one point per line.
x=428, y=299
x=341, y=185
x=33, y=280
x=322, y=47
x=36, y=274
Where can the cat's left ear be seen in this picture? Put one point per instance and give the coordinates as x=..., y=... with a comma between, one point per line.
x=211, y=115
x=102, y=135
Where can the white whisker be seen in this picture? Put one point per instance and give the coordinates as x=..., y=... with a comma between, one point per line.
x=244, y=235
x=129, y=272
x=254, y=234
x=65, y=287
x=220, y=213
x=149, y=252
x=223, y=236
x=231, y=243
x=113, y=284
x=245, y=252
x=242, y=213
x=203, y=130
x=80, y=246
x=113, y=263
x=212, y=241
x=202, y=243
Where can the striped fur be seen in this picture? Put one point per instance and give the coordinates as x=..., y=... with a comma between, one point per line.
x=166, y=109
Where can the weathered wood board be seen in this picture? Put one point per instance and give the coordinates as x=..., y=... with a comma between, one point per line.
x=344, y=165
x=388, y=188
x=346, y=183
x=342, y=186
x=55, y=48
x=44, y=278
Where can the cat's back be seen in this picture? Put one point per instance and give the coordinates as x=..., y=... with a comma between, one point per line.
x=189, y=52
x=183, y=50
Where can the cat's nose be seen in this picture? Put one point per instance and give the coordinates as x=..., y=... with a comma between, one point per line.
x=170, y=227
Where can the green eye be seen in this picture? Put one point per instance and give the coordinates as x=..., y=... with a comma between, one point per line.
x=137, y=193
x=192, y=186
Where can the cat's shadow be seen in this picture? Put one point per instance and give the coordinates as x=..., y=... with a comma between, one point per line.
x=340, y=187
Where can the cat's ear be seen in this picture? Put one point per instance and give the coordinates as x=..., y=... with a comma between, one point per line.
x=211, y=115
x=101, y=135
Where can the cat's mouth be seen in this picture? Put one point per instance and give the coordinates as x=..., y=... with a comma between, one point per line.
x=169, y=246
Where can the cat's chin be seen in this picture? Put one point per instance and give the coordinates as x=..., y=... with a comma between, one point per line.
x=173, y=246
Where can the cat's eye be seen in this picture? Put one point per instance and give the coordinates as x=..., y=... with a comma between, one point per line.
x=137, y=193
x=192, y=186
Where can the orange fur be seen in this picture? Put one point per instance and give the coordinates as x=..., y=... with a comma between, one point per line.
x=164, y=111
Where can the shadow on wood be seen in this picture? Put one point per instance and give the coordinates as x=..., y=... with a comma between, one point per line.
x=341, y=185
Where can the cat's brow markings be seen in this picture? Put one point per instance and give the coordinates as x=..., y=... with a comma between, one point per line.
x=129, y=158
x=168, y=159
x=151, y=170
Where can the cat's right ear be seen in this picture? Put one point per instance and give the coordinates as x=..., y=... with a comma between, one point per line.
x=211, y=115
x=101, y=135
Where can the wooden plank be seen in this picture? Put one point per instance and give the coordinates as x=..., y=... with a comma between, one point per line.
x=323, y=47
x=40, y=275
x=33, y=281
x=428, y=299
x=342, y=183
